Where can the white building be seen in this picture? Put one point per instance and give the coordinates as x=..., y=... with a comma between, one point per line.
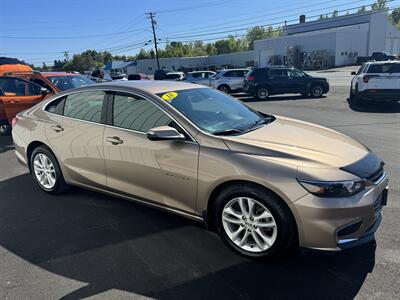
x=342, y=38
x=214, y=62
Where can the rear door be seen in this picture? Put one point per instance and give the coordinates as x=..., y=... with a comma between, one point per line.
x=236, y=79
x=75, y=132
x=278, y=80
x=16, y=95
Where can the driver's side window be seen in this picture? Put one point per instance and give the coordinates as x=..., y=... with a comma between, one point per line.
x=11, y=87
x=136, y=113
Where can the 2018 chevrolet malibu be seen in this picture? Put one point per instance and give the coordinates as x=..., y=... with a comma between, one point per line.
x=265, y=183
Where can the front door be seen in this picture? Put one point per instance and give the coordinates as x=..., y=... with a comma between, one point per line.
x=163, y=172
x=16, y=95
x=75, y=133
x=298, y=83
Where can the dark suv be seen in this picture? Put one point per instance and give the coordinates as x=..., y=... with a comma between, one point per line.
x=263, y=82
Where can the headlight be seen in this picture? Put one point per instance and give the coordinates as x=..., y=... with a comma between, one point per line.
x=333, y=188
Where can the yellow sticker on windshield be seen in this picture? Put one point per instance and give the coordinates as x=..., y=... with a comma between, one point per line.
x=169, y=96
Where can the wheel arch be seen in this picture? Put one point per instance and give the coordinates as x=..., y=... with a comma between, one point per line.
x=208, y=214
x=32, y=146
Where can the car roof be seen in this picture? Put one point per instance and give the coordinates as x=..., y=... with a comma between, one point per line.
x=48, y=74
x=151, y=86
x=383, y=62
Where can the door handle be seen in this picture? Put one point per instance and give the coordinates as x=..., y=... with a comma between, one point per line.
x=57, y=128
x=114, y=140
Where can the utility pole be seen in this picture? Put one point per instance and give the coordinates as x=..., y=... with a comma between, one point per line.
x=153, y=22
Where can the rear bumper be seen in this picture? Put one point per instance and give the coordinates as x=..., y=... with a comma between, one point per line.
x=380, y=95
x=337, y=224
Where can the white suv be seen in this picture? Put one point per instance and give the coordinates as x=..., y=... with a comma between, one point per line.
x=376, y=80
x=229, y=80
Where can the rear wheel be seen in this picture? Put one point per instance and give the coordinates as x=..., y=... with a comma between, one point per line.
x=262, y=93
x=46, y=171
x=5, y=129
x=254, y=222
x=224, y=88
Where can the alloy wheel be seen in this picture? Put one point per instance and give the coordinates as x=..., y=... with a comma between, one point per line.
x=249, y=224
x=44, y=171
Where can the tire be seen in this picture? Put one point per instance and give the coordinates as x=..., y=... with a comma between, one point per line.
x=224, y=88
x=262, y=93
x=42, y=156
x=316, y=91
x=281, y=233
x=5, y=130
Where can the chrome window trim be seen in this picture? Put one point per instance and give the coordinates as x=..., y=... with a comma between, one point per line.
x=192, y=141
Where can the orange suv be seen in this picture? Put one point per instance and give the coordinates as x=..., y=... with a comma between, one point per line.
x=22, y=89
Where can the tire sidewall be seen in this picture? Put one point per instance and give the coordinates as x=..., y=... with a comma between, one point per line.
x=270, y=202
x=315, y=86
x=258, y=93
x=59, y=177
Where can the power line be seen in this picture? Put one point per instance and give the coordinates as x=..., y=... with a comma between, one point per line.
x=246, y=28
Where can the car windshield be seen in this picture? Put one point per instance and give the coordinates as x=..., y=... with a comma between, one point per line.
x=69, y=82
x=213, y=111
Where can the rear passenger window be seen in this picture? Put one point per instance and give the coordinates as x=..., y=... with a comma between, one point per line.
x=275, y=73
x=136, y=113
x=85, y=106
x=56, y=106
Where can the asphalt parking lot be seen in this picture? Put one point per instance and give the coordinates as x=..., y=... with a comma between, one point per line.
x=84, y=244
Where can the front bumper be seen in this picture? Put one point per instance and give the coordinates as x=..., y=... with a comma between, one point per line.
x=339, y=223
x=380, y=95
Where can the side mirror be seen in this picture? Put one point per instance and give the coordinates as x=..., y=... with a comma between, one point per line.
x=164, y=133
x=44, y=91
x=353, y=73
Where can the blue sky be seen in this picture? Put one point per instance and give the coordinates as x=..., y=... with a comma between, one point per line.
x=39, y=31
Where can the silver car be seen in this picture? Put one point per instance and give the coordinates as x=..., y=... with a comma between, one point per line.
x=199, y=77
x=230, y=80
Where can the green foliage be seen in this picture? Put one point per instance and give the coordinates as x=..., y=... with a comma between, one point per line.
x=259, y=32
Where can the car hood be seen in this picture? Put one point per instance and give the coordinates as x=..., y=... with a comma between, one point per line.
x=298, y=143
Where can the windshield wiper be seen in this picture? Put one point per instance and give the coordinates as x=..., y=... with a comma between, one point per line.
x=229, y=131
x=260, y=121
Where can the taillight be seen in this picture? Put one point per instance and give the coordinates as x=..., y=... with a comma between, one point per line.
x=14, y=121
x=250, y=78
x=366, y=78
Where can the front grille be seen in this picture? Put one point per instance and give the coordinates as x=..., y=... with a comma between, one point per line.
x=378, y=203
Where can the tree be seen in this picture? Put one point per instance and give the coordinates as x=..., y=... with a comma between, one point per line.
x=362, y=9
x=45, y=67
x=394, y=17
x=335, y=14
x=379, y=5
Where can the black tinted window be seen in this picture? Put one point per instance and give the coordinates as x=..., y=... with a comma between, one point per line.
x=84, y=106
x=276, y=73
x=11, y=86
x=384, y=68
x=135, y=113
x=172, y=76
x=56, y=106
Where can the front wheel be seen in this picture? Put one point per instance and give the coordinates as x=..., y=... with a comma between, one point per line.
x=254, y=222
x=46, y=171
x=224, y=88
x=316, y=91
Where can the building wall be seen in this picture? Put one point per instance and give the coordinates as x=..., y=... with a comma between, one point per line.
x=238, y=59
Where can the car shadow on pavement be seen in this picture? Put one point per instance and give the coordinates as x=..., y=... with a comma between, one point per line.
x=375, y=107
x=107, y=244
x=280, y=98
x=6, y=144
